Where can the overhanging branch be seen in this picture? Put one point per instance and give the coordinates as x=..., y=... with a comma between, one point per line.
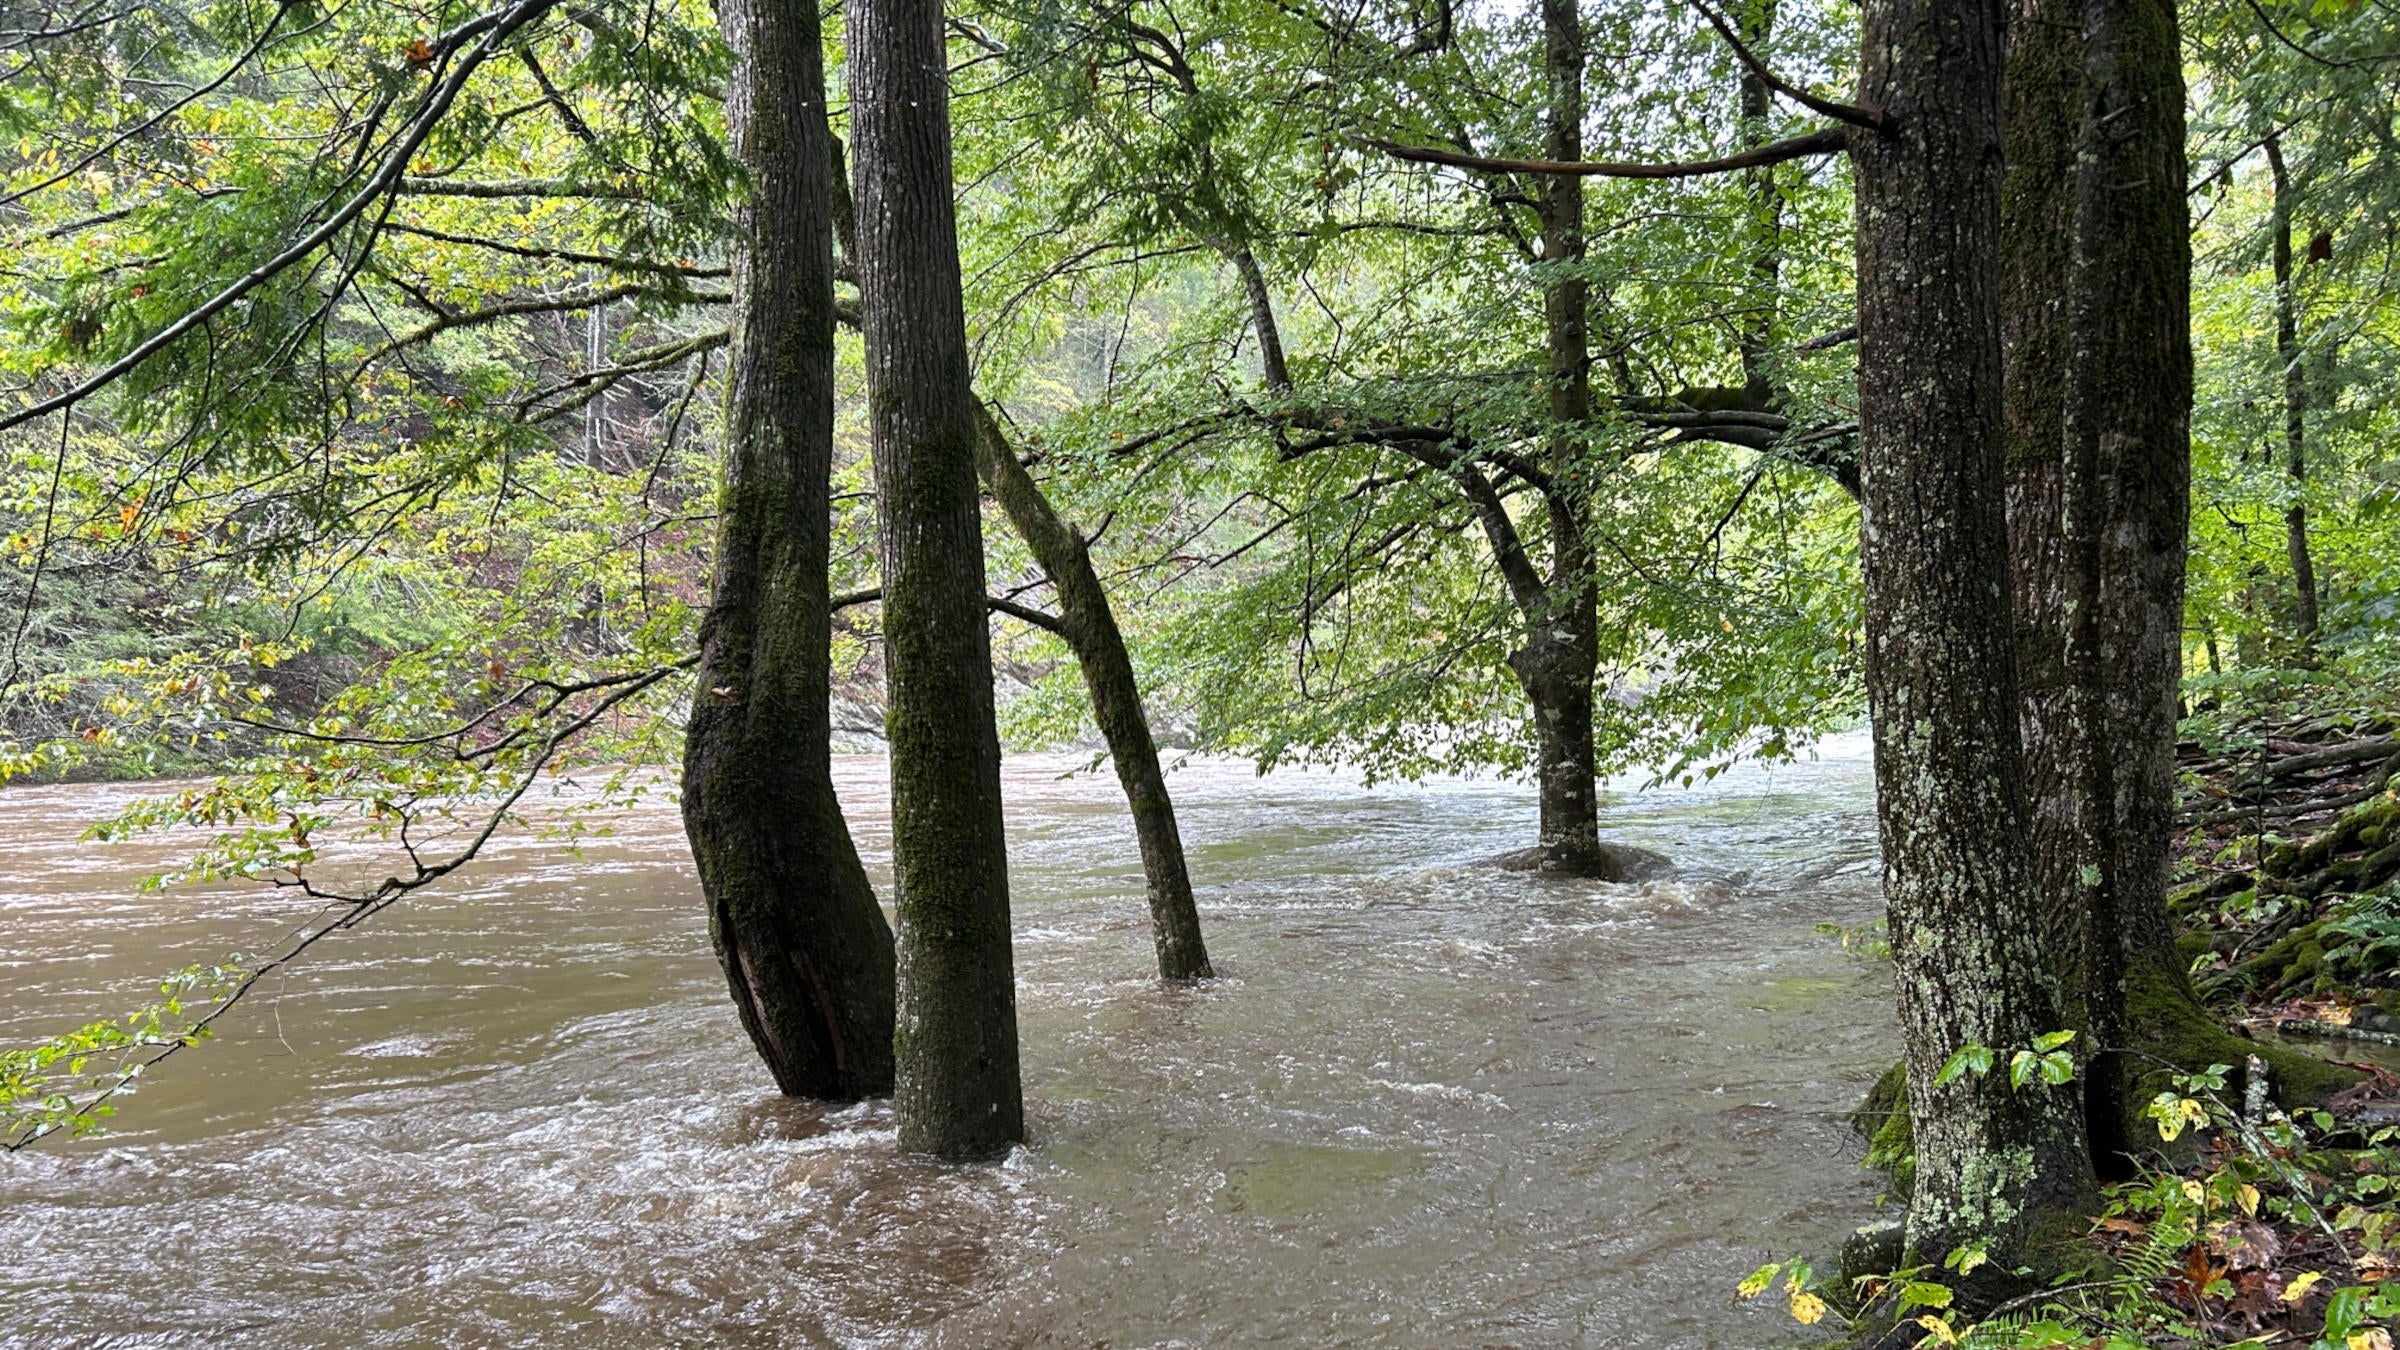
x=1829, y=141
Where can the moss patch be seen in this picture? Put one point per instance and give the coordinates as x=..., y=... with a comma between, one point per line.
x=2170, y=1025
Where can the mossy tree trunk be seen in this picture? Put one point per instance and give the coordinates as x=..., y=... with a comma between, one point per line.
x=2127, y=475
x=1993, y=1163
x=958, y=1094
x=1089, y=625
x=2098, y=387
x=805, y=947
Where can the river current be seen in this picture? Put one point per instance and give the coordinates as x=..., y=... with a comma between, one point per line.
x=1429, y=1104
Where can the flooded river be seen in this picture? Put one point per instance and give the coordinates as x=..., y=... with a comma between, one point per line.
x=1430, y=1104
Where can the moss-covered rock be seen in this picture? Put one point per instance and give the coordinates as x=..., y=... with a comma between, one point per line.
x=1882, y=1120
x=2173, y=1033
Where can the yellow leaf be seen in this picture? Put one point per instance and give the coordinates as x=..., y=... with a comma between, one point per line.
x=2373, y=1338
x=1940, y=1327
x=1811, y=1309
x=2300, y=1285
x=2248, y=1195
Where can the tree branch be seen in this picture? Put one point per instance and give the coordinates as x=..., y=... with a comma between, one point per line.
x=1823, y=107
x=1829, y=141
x=496, y=32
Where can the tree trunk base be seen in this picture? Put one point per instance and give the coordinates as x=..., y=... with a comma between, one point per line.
x=1590, y=859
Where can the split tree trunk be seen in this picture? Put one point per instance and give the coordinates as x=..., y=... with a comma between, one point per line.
x=958, y=1094
x=1993, y=1163
x=1089, y=625
x=804, y=945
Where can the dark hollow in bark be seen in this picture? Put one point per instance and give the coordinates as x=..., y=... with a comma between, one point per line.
x=1089, y=624
x=1992, y=1162
x=805, y=948
x=958, y=1095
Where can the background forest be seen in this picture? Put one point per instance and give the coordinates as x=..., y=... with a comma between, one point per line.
x=469, y=442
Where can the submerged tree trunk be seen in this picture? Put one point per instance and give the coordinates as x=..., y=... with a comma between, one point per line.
x=1559, y=660
x=1089, y=624
x=804, y=945
x=958, y=1093
x=1561, y=655
x=1993, y=1163
x=2295, y=401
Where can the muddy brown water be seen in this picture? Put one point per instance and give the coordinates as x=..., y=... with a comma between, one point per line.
x=1429, y=1104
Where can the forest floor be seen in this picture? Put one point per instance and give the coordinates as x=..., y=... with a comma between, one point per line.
x=2291, y=893
x=2291, y=905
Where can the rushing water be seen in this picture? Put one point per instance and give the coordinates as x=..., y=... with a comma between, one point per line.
x=1428, y=1104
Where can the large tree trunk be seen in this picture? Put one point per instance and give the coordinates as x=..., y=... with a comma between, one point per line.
x=2140, y=402
x=1993, y=1163
x=2098, y=397
x=804, y=945
x=958, y=1094
x=1089, y=624
x=2295, y=401
x=2126, y=489
x=1561, y=656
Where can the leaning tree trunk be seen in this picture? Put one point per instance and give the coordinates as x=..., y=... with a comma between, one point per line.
x=804, y=945
x=1089, y=624
x=1993, y=1163
x=1561, y=657
x=958, y=1094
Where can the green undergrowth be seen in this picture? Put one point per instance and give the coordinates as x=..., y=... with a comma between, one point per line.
x=2276, y=1228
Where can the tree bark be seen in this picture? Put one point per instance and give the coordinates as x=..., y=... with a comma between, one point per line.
x=958, y=1094
x=2295, y=401
x=804, y=945
x=1089, y=624
x=1993, y=1163
x=2044, y=96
